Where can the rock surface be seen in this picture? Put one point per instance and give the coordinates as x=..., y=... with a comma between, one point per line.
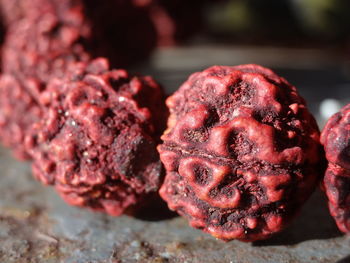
x=37, y=226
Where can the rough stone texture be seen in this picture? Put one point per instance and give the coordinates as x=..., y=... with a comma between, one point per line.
x=37, y=226
x=336, y=140
x=241, y=151
x=96, y=142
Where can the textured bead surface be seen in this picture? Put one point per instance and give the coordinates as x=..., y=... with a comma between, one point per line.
x=37, y=48
x=91, y=132
x=336, y=140
x=241, y=152
x=45, y=38
x=97, y=140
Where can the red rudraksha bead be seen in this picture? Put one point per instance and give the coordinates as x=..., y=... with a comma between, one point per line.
x=336, y=140
x=241, y=151
x=96, y=143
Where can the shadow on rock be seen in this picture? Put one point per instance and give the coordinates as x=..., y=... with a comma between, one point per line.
x=314, y=222
x=155, y=210
x=344, y=260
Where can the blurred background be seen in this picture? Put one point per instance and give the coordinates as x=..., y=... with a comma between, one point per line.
x=293, y=23
x=306, y=41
